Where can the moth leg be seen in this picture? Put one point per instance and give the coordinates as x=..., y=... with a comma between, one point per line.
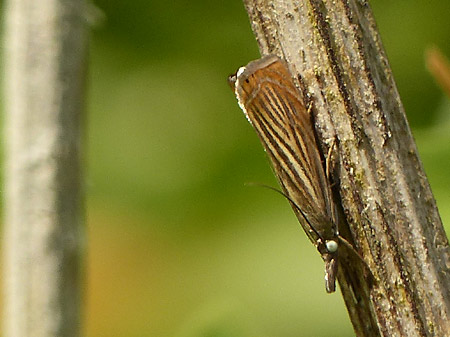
x=332, y=182
x=328, y=160
x=331, y=267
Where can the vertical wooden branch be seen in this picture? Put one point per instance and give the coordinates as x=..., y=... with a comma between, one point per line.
x=45, y=58
x=336, y=55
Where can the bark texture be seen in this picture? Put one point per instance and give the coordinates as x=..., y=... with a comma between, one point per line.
x=45, y=58
x=389, y=214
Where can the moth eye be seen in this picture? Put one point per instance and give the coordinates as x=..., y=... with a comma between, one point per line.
x=331, y=245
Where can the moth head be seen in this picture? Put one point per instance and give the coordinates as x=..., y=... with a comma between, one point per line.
x=232, y=81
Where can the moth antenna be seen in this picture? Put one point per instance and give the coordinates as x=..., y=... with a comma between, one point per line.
x=293, y=203
x=353, y=250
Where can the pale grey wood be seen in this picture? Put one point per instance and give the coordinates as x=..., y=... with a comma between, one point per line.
x=45, y=58
x=335, y=52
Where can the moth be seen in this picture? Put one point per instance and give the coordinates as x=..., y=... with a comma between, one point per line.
x=274, y=107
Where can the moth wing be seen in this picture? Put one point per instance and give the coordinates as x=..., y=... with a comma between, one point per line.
x=274, y=107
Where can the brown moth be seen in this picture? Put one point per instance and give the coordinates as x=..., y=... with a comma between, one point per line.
x=274, y=107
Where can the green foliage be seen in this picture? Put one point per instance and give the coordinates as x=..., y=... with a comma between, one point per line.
x=168, y=145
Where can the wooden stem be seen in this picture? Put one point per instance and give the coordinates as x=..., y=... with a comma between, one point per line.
x=45, y=59
x=335, y=53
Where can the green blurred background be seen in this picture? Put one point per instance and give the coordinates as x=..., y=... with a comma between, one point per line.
x=177, y=245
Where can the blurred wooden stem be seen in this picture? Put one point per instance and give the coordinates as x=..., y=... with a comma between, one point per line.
x=336, y=56
x=45, y=63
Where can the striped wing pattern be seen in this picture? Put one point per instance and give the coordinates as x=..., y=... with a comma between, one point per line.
x=272, y=104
